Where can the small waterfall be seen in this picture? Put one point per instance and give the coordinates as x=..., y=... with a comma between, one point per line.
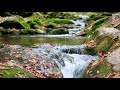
x=78, y=49
x=81, y=24
x=80, y=62
x=68, y=58
x=76, y=28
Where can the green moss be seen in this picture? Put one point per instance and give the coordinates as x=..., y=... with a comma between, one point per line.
x=11, y=73
x=93, y=32
x=90, y=51
x=29, y=31
x=98, y=24
x=51, y=25
x=59, y=31
x=39, y=22
x=103, y=67
x=104, y=43
x=22, y=22
x=58, y=21
x=33, y=22
x=23, y=31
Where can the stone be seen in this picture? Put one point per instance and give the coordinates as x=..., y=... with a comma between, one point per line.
x=80, y=33
x=115, y=16
x=114, y=58
x=113, y=32
x=117, y=67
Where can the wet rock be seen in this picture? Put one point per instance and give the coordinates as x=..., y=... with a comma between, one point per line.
x=73, y=49
x=80, y=33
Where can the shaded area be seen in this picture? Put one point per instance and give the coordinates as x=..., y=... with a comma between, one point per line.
x=11, y=24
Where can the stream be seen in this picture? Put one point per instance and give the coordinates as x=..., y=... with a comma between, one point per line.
x=66, y=50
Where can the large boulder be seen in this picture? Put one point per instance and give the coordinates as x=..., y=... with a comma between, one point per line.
x=115, y=16
x=114, y=59
x=109, y=32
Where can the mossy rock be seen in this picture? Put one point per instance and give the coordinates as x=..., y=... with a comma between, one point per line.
x=59, y=31
x=22, y=22
x=103, y=67
x=15, y=72
x=29, y=31
x=35, y=24
x=51, y=25
x=89, y=50
x=59, y=21
x=104, y=43
x=14, y=32
x=6, y=31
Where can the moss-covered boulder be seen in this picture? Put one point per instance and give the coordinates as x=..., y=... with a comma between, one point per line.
x=100, y=70
x=59, y=21
x=57, y=31
x=31, y=31
x=22, y=22
x=51, y=25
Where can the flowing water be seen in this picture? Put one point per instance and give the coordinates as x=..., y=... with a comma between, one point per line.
x=66, y=50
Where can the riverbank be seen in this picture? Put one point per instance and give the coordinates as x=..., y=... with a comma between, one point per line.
x=106, y=45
